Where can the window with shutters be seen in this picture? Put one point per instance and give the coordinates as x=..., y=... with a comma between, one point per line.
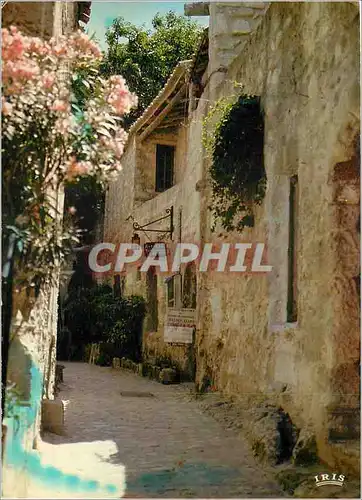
x=165, y=156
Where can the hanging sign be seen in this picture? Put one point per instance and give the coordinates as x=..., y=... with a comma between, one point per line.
x=180, y=325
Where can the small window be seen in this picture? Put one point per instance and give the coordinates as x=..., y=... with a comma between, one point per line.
x=292, y=310
x=189, y=288
x=164, y=167
x=171, y=292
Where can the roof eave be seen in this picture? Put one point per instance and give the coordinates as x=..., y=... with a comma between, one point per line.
x=181, y=69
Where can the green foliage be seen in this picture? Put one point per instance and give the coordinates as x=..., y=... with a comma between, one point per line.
x=233, y=135
x=106, y=354
x=96, y=315
x=146, y=58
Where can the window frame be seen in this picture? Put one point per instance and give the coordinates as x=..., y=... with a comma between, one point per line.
x=164, y=183
x=171, y=302
x=292, y=297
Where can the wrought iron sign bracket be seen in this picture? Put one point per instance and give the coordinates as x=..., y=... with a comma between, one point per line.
x=169, y=212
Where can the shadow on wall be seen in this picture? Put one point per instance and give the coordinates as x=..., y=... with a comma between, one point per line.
x=22, y=406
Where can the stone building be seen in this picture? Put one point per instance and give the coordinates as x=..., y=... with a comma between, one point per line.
x=291, y=334
x=158, y=175
x=33, y=330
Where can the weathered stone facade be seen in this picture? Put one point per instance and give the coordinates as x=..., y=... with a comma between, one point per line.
x=302, y=59
x=34, y=325
x=44, y=19
x=133, y=198
x=310, y=95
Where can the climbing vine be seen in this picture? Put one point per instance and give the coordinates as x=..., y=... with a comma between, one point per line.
x=233, y=135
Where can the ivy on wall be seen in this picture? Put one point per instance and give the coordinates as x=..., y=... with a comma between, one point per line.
x=233, y=135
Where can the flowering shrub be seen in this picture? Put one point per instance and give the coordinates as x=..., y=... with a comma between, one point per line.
x=61, y=121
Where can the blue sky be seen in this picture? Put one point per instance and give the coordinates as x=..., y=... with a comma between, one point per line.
x=103, y=13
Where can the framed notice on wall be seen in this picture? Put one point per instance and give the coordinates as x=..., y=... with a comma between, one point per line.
x=179, y=325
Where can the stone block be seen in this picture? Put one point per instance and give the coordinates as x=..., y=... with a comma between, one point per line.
x=144, y=369
x=305, y=450
x=154, y=372
x=116, y=363
x=157, y=372
x=168, y=376
x=271, y=433
x=59, y=373
x=52, y=416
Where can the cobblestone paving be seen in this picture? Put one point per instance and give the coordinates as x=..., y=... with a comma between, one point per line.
x=167, y=446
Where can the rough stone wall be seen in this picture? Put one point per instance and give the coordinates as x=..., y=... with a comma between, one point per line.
x=33, y=18
x=302, y=59
x=34, y=325
x=43, y=19
x=120, y=199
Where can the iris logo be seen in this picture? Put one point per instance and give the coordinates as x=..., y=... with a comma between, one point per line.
x=324, y=479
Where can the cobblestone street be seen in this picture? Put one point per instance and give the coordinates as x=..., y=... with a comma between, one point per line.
x=118, y=421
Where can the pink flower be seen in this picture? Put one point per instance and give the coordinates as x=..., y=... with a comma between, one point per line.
x=82, y=168
x=38, y=46
x=118, y=149
x=60, y=50
x=33, y=69
x=105, y=141
x=48, y=80
x=13, y=44
x=6, y=107
x=119, y=96
x=77, y=169
x=83, y=44
x=63, y=125
x=59, y=105
x=72, y=210
x=24, y=70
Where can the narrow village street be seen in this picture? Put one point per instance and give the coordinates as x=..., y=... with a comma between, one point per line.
x=181, y=230
x=167, y=446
